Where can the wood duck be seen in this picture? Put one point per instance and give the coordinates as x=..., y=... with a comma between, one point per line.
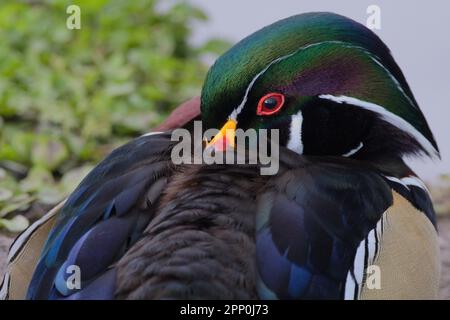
x=343, y=200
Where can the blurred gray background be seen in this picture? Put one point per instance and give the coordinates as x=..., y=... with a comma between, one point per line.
x=417, y=32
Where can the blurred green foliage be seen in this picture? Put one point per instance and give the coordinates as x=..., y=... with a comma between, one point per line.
x=67, y=97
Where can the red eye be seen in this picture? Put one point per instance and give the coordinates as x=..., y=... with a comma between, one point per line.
x=269, y=104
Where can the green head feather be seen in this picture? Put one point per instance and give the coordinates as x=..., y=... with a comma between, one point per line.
x=312, y=55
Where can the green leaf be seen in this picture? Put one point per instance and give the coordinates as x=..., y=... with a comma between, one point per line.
x=5, y=194
x=16, y=224
x=73, y=177
x=48, y=152
x=67, y=97
x=18, y=203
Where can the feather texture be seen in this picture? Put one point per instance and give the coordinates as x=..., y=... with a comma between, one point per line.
x=104, y=215
x=200, y=245
x=225, y=232
x=309, y=233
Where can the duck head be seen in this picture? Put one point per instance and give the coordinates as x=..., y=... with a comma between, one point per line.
x=327, y=83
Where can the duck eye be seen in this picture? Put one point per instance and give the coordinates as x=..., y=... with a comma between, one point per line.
x=269, y=104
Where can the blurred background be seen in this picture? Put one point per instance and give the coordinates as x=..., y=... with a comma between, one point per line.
x=68, y=97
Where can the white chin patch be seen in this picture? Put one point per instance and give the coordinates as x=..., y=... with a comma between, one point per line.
x=295, y=133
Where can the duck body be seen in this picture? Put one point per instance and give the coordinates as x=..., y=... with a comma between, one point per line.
x=342, y=209
x=214, y=235
x=201, y=245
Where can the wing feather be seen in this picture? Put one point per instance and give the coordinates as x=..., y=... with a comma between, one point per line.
x=318, y=215
x=105, y=214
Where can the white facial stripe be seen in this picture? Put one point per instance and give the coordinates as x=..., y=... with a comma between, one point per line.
x=375, y=59
x=238, y=110
x=353, y=151
x=399, y=87
x=387, y=116
x=295, y=133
